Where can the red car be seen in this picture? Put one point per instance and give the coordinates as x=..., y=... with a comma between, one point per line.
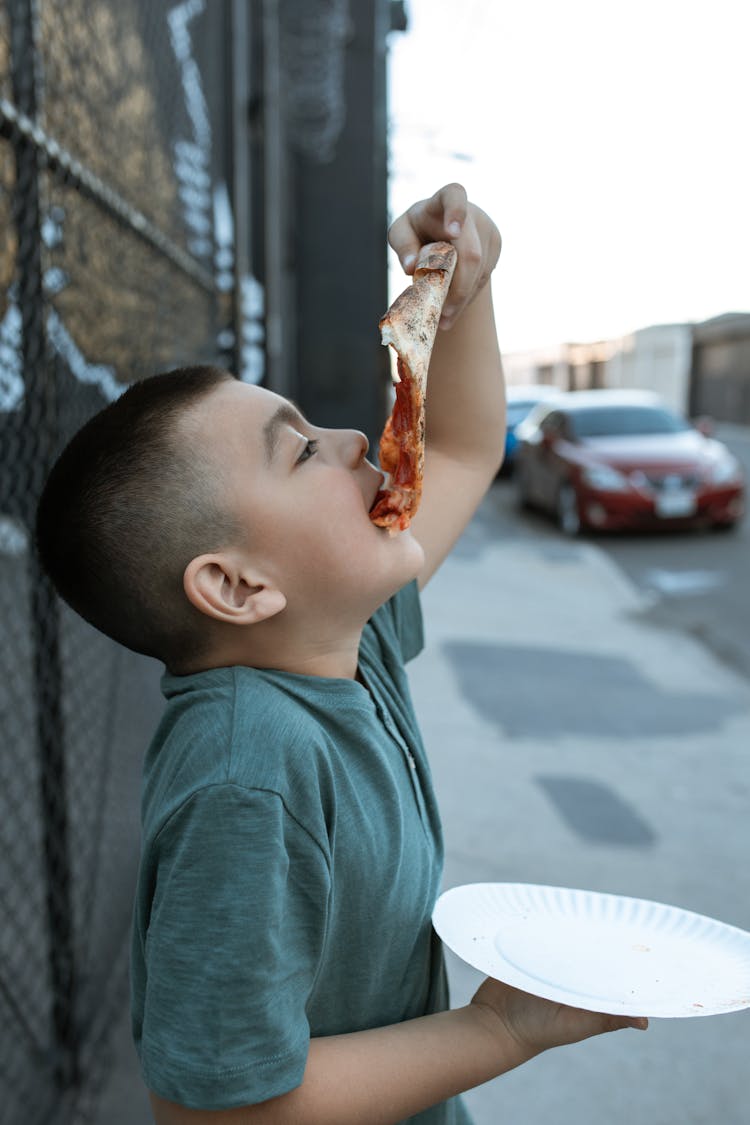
x=621, y=460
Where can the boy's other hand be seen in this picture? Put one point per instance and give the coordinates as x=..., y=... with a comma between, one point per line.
x=449, y=217
x=536, y=1024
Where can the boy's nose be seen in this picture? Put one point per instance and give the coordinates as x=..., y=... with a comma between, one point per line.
x=354, y=446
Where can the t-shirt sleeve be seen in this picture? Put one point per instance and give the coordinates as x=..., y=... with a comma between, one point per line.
x=405, y=609
x=232, y=947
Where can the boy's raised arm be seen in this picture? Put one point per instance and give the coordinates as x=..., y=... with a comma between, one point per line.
x=465, y=413
x=382, y=1076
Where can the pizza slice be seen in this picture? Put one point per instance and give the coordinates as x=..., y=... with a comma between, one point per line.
x=410, y=327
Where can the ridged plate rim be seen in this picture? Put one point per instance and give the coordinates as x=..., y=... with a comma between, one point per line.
x=476, y=920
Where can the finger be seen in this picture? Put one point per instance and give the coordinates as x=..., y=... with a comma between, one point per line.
x=468, y=278
x=404, y=239
x=620, y=1023
x=414, y=229
x=449, y=206
x=442, y=216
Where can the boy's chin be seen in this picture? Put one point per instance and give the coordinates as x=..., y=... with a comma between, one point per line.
x=414, y=557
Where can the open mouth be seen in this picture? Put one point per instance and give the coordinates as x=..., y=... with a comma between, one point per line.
x=379, y=491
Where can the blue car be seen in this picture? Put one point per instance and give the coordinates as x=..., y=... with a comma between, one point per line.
x=521, y=401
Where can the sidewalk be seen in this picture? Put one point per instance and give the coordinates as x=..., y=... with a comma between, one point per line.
x=575, y=745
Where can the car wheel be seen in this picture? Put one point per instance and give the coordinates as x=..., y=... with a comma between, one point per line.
x=568, y=519
x=724, y=526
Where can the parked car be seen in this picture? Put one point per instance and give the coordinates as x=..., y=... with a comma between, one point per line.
x=618, y=460
x=521, y=400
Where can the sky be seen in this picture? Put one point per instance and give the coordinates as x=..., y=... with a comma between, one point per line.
x=609, y=141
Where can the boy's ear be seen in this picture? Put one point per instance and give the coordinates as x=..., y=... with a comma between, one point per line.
x=228, y=591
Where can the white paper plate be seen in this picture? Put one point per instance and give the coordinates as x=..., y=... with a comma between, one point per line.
x=607, y=953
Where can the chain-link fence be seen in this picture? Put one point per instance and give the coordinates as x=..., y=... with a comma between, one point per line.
x=113, y=186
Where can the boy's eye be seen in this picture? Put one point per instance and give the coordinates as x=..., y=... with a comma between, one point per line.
x=311, y=448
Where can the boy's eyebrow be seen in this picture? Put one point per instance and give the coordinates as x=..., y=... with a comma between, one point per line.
x=286, y=415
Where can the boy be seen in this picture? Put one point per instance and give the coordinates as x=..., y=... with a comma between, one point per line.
x=284, y=968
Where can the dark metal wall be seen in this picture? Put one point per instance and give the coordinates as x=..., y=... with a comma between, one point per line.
x=342, y=217
x=326, y=216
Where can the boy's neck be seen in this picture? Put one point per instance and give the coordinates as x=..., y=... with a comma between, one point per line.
x=331, y=657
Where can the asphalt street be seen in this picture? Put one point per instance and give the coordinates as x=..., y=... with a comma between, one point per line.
x=694, y=581
x=580, y=739
x=698, y=583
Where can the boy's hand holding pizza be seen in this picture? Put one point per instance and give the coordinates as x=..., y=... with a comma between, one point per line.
x=448, y=216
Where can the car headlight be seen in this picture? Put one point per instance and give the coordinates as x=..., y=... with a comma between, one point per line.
x=725, y=470
x=602, y=478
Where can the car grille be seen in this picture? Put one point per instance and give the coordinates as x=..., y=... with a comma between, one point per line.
x=664, y=481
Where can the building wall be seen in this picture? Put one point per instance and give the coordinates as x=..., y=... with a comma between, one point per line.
x=720, y=384
x=547, y=365
x=657, y=359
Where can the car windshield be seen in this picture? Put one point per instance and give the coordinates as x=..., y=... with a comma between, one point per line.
x=613, y=421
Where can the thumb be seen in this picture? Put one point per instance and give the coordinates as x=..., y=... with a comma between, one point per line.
x=620, y=1023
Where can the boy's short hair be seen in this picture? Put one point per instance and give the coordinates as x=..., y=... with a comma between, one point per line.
x=124, y=510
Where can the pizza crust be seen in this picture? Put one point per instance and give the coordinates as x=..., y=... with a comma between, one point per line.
x=410, y=327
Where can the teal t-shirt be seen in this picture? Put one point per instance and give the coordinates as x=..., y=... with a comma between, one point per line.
x=291, y=858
